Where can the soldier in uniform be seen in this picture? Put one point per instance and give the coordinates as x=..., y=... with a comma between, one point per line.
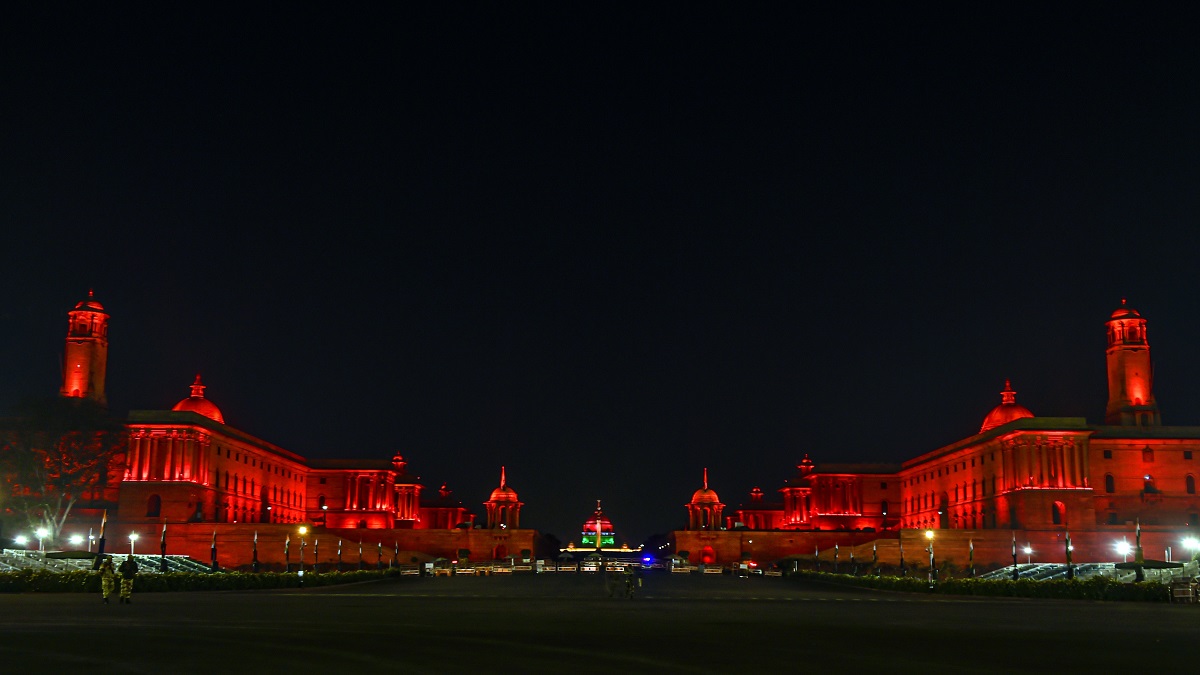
x=128, y=570
x=108, y=579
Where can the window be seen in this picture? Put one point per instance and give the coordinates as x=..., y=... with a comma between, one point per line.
x=882, y=486
x=1110, y=484
x=321, y=502
x=1190, y=482
x=1192, y=519
x=1148, y=484
x=322, y=481
x=1108, y=454
x=1187, y=454
x=1058, y=513
x=1147, y=455
x=153, y=506
x=1112, y=518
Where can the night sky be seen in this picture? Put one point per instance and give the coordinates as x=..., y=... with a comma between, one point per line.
x=605, y=246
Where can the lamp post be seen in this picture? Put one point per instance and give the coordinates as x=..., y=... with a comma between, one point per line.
x=133, y=537
x=932, y=572
x=42, y=533
x=91, y=538
x=303, y=531
x=1028, y=554
x=21, y=540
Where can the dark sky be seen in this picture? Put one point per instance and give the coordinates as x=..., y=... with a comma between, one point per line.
x=605, y=246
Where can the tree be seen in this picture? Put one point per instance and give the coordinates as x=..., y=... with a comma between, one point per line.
x=54, y=452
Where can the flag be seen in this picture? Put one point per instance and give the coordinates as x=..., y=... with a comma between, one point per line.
x=162, y=541
x=971, y=550
x=1014, y=536
x=287, y=542
x=874, y=554
x=339, y=547
x=214, y=544
x=103, y=522
x=255, y=543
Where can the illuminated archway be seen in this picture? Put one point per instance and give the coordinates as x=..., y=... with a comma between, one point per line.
x=153, y=506
x=708, y=556
x=1058, y=513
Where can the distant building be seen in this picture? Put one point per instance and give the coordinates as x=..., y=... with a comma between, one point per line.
x=1021, y=477
x=208, y=481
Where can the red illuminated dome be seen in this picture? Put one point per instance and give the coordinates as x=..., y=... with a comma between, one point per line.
x=1125, y=312
x=198, y=404
x=90, y=303
x=606, y=526
x=504, y=493
x=704, y=495
x=1007, y=411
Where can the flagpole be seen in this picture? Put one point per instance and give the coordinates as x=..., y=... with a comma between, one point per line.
x=254, y=552
x=214, y=551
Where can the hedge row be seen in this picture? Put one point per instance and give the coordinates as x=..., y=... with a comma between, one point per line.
x=1092, y=588
x=41, y=581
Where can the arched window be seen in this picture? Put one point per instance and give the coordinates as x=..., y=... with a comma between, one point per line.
x=362, y=524
x=1191, y=484
x=1110, y=483
x=883, y=507
x=321, y=502
x=1058, y=513
x=154, y=506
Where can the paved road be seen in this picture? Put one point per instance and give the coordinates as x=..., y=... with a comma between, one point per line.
x=562, y=624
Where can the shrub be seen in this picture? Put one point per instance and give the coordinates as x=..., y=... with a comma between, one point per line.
x=41, y=581
x=1092, y=588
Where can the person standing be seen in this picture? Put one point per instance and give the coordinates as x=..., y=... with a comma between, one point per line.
x=128, y=570
x=108, y=579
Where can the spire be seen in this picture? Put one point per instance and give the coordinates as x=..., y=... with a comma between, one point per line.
x=597, y=506
x=502, y=480
x=706, y=478
x=197, y=388
x=1008, y=395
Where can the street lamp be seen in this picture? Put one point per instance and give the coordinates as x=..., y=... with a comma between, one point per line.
x=1028, y=554
x=929, y=537
x=41, y=533
x=1124, y=549
x=76, y=539
x=1192, y=544
x=21, y=540
x=303, y=531
x=133, y=537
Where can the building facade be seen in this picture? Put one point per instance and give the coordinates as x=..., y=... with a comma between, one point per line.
x=187, y=470
x=1021, y=477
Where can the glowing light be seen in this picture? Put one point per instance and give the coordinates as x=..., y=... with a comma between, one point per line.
x=929, y=534
x=1124, y=549
x=21, y=540
x=133, y=536
x=76, y=539
x=1191, y=543
x=1030, y=550
x=42, y=533
x=303, y=530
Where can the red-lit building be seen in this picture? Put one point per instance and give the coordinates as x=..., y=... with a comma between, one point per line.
x=1023, y=476
x=187, y=468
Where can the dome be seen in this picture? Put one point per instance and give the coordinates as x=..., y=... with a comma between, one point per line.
x=89, y=304
x=198, y=404
x=1007, y=411
x=704, y=495
x=503, y=493
x=1125, y=312
x=589, y=526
